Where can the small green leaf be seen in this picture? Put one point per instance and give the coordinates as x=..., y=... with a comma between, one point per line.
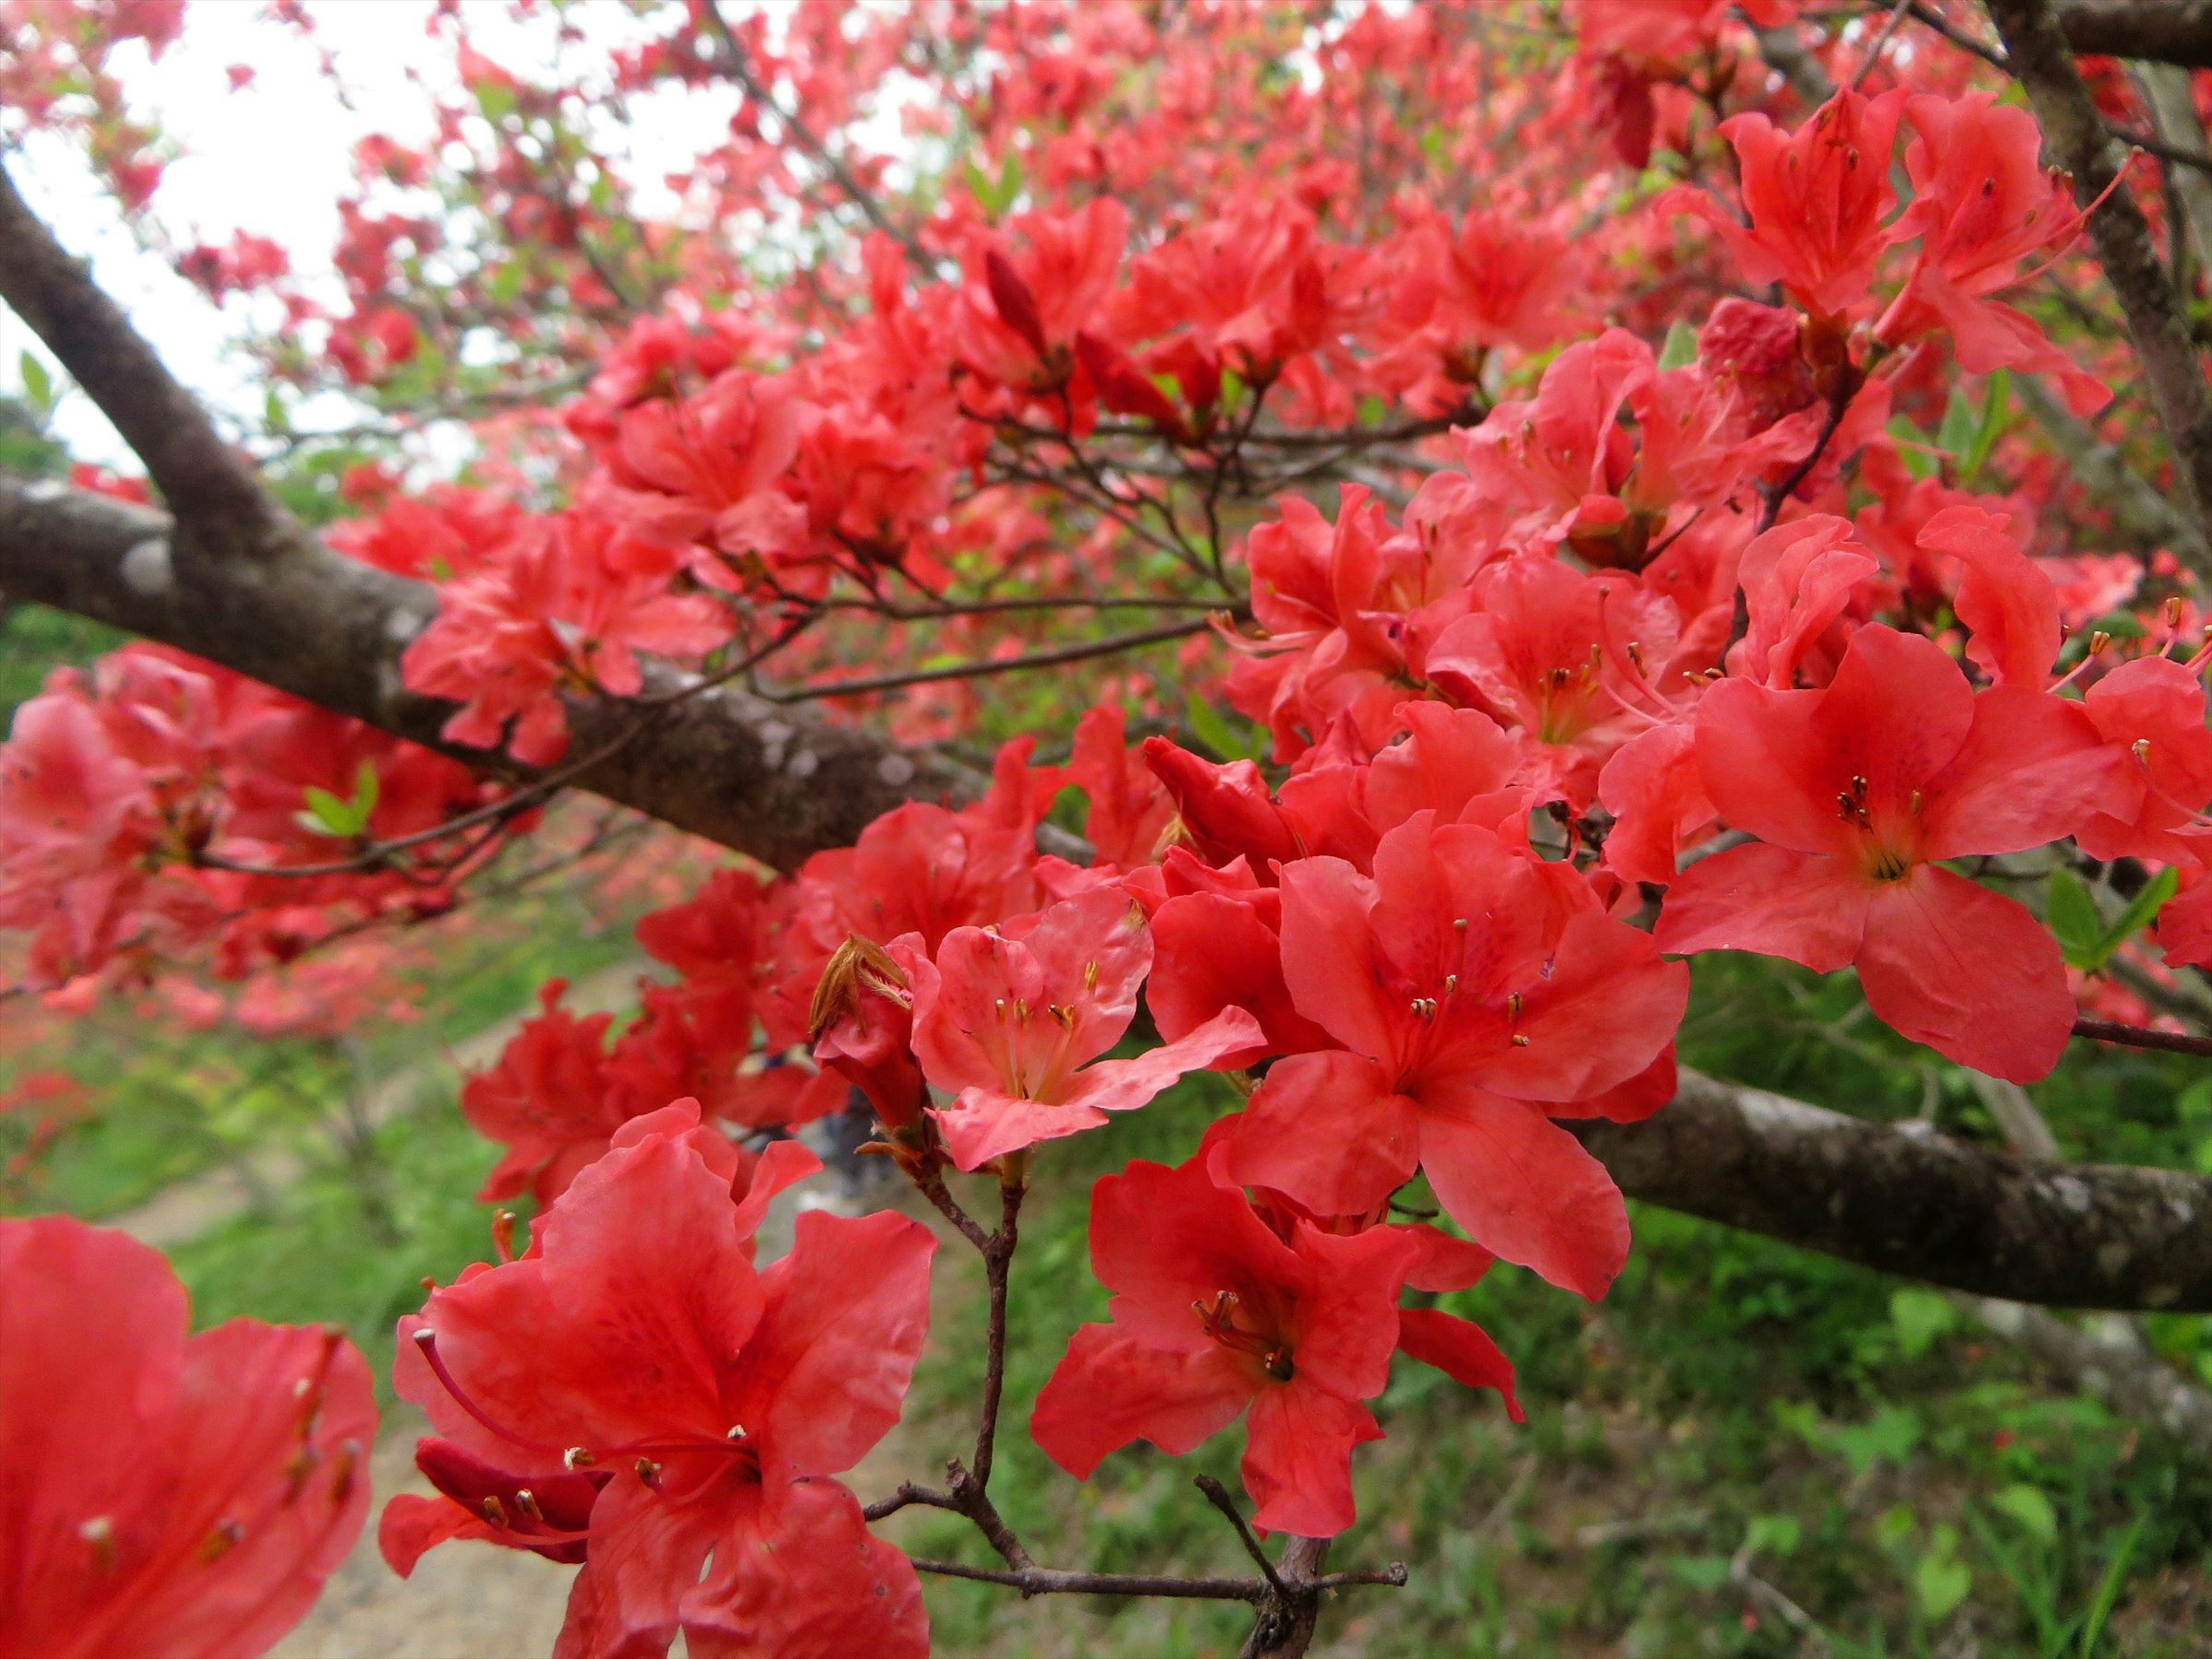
x=1956, y=435
x=1940, y=1585
x=2030, y=1509
x=1219, y=734
x=2073, y=917
x=367, y=785
x=1996, y=416
x=2142, y=911
x=1920, y=1316
x=1702, y=1572
x=37, y=385
x=1680, y=348
x=329, y=815
x=1912, y=447
x=1773, y=1534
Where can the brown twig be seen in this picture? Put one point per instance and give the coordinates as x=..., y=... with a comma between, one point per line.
x=979, y=669
x=2142, y=1036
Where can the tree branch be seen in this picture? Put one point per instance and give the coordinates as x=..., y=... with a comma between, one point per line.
x=2163, y=31
x=1920, y=1204
x=2038, y=51
x=199, y=474
x=723, y=764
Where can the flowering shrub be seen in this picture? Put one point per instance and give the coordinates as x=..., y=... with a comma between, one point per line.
x=1661, y=605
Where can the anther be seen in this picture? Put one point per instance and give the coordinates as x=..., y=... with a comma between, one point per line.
x=493, y=1511
x=502, y=1234
x=736, y=1431
x=223, y=1538
x=100, y=1534
x=1063, y=1013
x=1513, y=1005
x=2099, y=642
x=1519, y=1041
x=1090, y=975
x=527, y=1501
x=1458, y=924
x=1912, y=805
x=2173, y=611
x=1451, y=983
x=576, y=1457
x=649, y=1472
x=2141, y=749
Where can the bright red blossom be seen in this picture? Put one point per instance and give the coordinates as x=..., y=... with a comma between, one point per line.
x=161, y=1493
x=707, y=1402
x=1856, y=792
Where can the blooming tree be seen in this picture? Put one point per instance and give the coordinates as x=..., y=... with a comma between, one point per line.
x=1645, y=476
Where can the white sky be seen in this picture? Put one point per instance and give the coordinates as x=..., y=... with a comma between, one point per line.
x=273, y=159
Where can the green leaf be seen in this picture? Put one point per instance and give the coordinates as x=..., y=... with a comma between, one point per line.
x=328, y=815
x=1773, y=1534
x=1680, y=349
x=2108, y=1590
x=1702, y=1572
x=2142, y=910
x=1956, y=435
x=1920, y=1316
x=1996, y=416
x=37, y=385
x=365, y=787
x=1216, y=731
x=1940, y=1585
x=2030, y=1509
x=1912, y=447
x=2073, y=917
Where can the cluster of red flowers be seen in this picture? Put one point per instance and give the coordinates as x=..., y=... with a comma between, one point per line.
x=1683, y=649
x=155, y=810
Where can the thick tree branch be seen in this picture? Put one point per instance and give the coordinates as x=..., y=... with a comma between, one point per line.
x=1921, y=1205
x=331, y=629
x=2038, y=51
x=2163, y=31
x=199, y=474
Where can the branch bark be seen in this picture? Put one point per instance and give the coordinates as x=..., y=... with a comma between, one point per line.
x=2163, y=31
x=1920, y=1204
x=2039, y=52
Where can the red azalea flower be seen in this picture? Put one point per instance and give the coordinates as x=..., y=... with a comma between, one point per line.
x=1855, y=791
x=1474, y=998
x=1213, y=1315
x=1014, y=1019
x=1817, y=200
x=161, y=1493
x=636, y=1350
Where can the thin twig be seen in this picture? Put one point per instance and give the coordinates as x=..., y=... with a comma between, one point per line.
x=1218, y=1495
x=977, y=670
x=2142, y=1036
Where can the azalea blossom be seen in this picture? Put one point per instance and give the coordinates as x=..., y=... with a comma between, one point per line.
x=161, y=1492
x=683, y=1412
x=1011, y=1021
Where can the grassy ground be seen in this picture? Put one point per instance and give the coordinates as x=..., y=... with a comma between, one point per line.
x=1742, y=1437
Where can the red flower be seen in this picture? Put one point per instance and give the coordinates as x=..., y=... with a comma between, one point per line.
x=160, y=1493
x=1855, y=792
x=1816, y=199
x=1472, y=999
x=1981, y=201
x=1213, y=1315
x=1013, y=1019
x=545, y=1100
x=707, y=1402
x=2153, y=710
